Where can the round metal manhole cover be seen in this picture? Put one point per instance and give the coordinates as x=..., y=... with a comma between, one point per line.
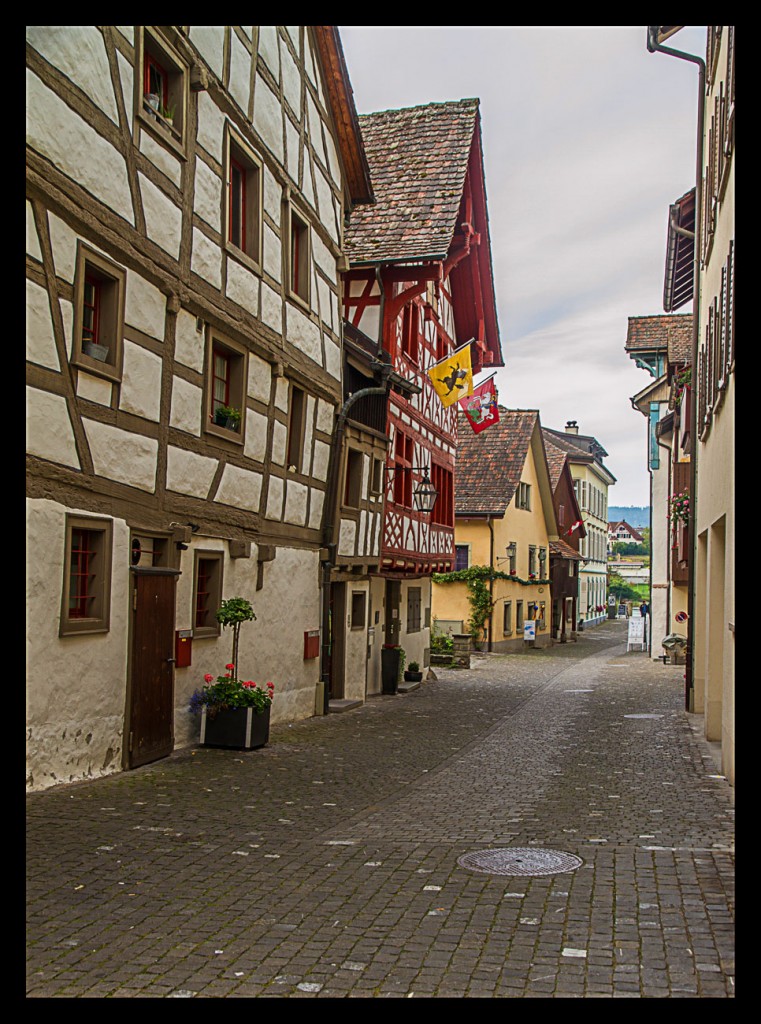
x=518, y=860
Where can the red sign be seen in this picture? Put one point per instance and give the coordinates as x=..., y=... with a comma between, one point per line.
x=681, y=616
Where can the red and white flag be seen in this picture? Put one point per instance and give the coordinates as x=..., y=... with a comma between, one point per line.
x=480, y=407
x=575, y=526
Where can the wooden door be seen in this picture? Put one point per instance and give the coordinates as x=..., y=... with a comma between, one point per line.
x=150, y=701
x=393, y=622
x=337, y=639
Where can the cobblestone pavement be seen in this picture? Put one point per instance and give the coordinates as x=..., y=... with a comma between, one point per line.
x=326, y=864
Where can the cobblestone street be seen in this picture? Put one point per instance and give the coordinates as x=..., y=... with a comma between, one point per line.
x=326, y=864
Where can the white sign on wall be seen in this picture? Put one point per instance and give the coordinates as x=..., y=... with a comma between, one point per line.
x=529, y=630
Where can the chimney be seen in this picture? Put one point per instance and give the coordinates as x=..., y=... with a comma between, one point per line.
x=572, y=427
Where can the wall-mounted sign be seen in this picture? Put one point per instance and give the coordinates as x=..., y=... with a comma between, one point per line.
x=681, y=616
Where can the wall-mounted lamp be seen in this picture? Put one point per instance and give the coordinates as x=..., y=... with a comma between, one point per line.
x=509, y=552
x=424, y=494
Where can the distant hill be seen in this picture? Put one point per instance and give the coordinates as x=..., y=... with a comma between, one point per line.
x=635, y=515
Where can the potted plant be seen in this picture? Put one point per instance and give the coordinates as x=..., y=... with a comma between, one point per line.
x=413, y=673
x=234, y=712
x=227, y=416
x=167, y=113
x=392, y=661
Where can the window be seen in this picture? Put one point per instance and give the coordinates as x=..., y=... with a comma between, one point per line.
x=85, y=606
x=376, y=478
x=358, y=605
x=243, y=220
x=148, y=550
x=403, y=454
x=353, y=487
x=162, y=88
x=226, y=387
x=543, y=562
x=523, y=499
x=443, y=510
x=461, y=556
x=561, y=515
x=413, y=610
x=207, y=592
x=507, y=620
x=519, y=616
x=298, y=264
x=296, y=428
x=532, y=559
x=98, y=314
x=410, y=331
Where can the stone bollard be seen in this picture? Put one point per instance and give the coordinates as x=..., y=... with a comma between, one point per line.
x=462, y=648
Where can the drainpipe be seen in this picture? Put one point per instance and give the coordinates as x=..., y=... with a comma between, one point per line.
x=491, y=580
x=655, y=47
x=329, y=544
x=668, y=556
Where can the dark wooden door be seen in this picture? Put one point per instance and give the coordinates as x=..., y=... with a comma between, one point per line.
x=393, y=622
x=150, y=719
x=337, y=639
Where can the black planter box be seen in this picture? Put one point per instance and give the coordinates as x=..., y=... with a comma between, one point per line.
x=391, y=659
x=240, y=729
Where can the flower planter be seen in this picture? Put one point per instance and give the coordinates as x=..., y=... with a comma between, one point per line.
x=237, y=728
x=412, y=677
x=391, y=658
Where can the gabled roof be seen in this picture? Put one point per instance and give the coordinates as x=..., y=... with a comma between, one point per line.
x=635, y=534
x=650, y=333
x=418, y=158
x=341, y=99
x=563, y=549
x=579, y=447
x=489, y=465
x=556, y=458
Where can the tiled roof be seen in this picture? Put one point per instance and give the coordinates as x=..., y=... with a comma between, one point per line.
x=555, y=458
x=564, y=550
x=489, y=465
x=418, y=158
x=646, y=333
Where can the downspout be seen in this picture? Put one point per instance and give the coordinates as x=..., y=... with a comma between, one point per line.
x=654, y=46
x=668, y=556
x=328, y=543
x=491, y=580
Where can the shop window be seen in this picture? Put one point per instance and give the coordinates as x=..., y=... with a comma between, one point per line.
x=98, y=314
x=86, y=601
x=207, y=592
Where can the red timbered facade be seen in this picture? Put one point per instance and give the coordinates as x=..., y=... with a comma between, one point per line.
x=420, y=282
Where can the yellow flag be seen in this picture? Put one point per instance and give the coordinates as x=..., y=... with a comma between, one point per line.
x=453, y=377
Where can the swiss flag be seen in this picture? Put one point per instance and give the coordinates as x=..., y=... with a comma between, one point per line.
x=575, y=526
x=480, y=407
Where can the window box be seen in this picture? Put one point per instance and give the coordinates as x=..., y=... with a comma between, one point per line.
x=226, y=375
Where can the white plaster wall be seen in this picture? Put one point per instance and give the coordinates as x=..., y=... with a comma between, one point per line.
x=275, y=493
x=94, y=389
x=256, y=436
x=206, y=259
x=303, y=333
x=160, y=157
x=120, y=455
x=188, y=342
x=207, y=198
x=189, y=473
x=55, y=131
x=185, y=411
x=40, y=339
x=240, y=72
x=259, y=378
x=211, y=125
x=78, y=51
x=210, y=42
x=268, y=118
x=355, y=664
x=74, y=715
x=316, y=503
x=32, y=240
x=141, y=385
x=163, y=220
x=296, y=503
x=240, y=488
x=243, y=287
x=49, y=434
x=269, y=49
x=291, y=81
x=272, y=309
x=64, y=243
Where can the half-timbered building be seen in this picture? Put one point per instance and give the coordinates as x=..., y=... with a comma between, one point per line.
x=186, y=195
x=419, y=285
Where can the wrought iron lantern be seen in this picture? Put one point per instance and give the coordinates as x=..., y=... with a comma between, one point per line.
x=424, y=494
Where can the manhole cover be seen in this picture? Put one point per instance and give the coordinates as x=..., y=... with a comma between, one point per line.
x=643, y=716
x=519, y=860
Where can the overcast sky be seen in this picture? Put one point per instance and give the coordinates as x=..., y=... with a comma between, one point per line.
x=587, y=139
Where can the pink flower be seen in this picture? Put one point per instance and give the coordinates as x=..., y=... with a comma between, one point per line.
x=230, y=666
x=208, y=677
x=270, y=686
x=249, y=684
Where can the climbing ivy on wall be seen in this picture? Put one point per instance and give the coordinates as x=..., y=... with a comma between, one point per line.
x=476, y=578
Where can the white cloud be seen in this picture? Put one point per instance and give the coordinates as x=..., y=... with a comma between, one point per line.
x=587, y=139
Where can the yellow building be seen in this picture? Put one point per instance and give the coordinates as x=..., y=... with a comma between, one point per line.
x=504, y=522
x=591, y=481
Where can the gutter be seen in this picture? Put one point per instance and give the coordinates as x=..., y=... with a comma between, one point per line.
x=655, y=47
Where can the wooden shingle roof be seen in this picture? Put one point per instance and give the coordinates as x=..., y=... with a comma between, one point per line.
x=488, y=466
x=418, y=158
x=646, y=333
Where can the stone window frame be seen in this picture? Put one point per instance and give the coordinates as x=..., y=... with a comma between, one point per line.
x=112, y=278
x=238, y=355
x=100, y=622
x=237, y=150
x=151, y=40
x=212, y=628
